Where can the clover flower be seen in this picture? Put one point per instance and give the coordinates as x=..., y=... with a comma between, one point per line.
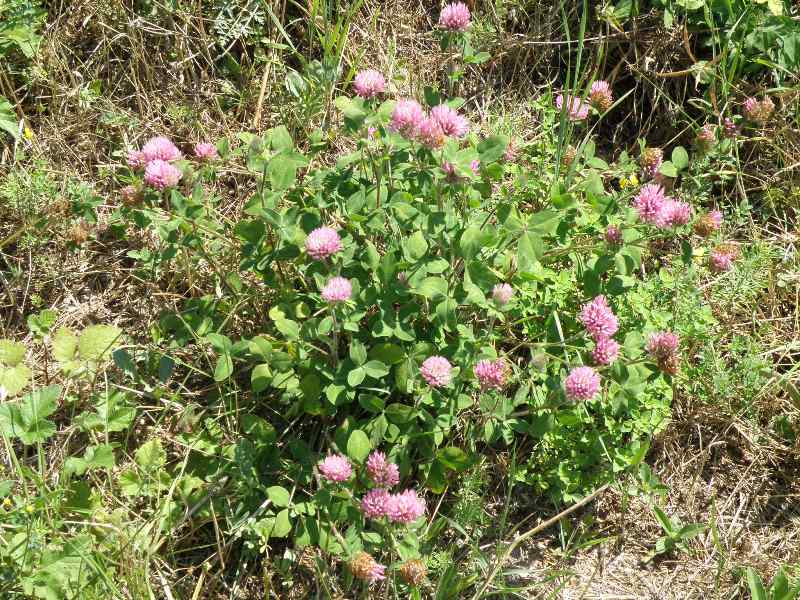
x=374, y=503
x=598, y=318
x=663, y=344
x=706, y=138
x=336, y=468
x=722, y=257
x=673, y=213
x=759, y=112
x=413, y=571
x=382, y=472
x=366, y=568
x=369, y=83
x=160, y=174
x=651, y=160
x=582, y=383
x=511, y=152
x=605, y=351
x=322, y=243
x=613, y=235
x=729, y=128
x=430, y=133
x=502, y=293
x=708, y=223
x=600, y=95
x=405, y=507
x=338, y=289
x=452, y=123
x=455, y=17
x=205, y=151
x=649, y=202
x=577, y=109
x=569, y=156
x=437, y=371
x=136, y=159
x=406, y=117
x=161, y=148
x=491, y=374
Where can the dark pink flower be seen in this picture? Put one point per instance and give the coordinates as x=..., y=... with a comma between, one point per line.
x=336, y=468
x=160, y=174
x=136, y=159
x=382, y=472
x=455, y=17
x=405, y=507
x=613, y=235
x=452, y=123
x=322, y=243
x=649, y=202
x=206, y=151
x=600, y=96
x=598, y=318
x=161, y=148
x=582, y=383
x=437, y=371
x=605, y=351
x=491, y=374
x=577, y=109
x=369, y=83
x=374, y=503
x=406, y=117
x=430, y=134
x=662, y=345
x=338, y=289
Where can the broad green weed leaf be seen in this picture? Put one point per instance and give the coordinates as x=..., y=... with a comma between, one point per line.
x=279, y=496
x=358, y=445
x=11, y=353
x=151, y=455
x=97, y=341
x=14, y=379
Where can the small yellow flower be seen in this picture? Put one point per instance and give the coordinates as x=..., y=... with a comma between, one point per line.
x=634, y=180
x=29, y=509
x=623, y=183
x=7, y=503
x=28, y=133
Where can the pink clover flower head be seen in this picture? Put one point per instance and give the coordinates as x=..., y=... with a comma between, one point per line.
x=374, y=503
x=491, y=374
x=369, y=83
x=450, y=121
x=336, y=468
x=502, y=293
x=663, y=344
x=371, y=131
x=136, y=159
x=720, y=262
x=706, y=137
x=582, y=383
x=613, y=235
x=430, y=133
x=382, y=472
x=605, y=351
x=729, y=128
x=708, y=223
x=598, y=318
x=161, y=148
x=406, y=117
x=366, y=568
x=673, y=213
x=206, y=151
x=160, y=174
x=600, y=95
x=405, y=507
x=577, y=109
x=338, y=289
x=510, y=155
x=649, y=202
x=760, y=112
x=475, y=166
x=651, y=160
x=322, y=243
x=455, y=17
x=437, y=371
